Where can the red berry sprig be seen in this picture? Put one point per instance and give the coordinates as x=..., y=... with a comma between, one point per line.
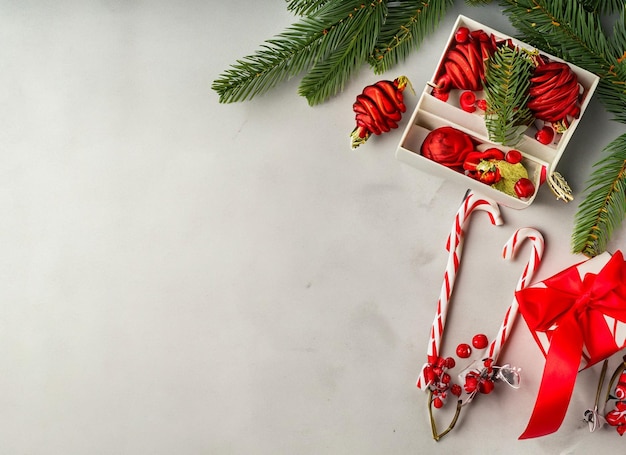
x=439, y=381
x=378, y=109
x=481, y=381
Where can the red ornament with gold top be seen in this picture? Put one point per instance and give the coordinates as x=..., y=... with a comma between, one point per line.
x=378, y=109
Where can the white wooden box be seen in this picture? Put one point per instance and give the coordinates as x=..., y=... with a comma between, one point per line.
x=432, y=113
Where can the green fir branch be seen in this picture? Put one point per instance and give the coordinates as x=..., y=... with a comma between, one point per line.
x=602, y=211
x=351, y=43
x=617, y=41
x=407, y=24
x=562, y=28
x=507, y=79
x=278, y=59
x=613, y=83
x=292, y=52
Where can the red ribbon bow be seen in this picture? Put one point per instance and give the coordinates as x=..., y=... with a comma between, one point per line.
x=575, y=310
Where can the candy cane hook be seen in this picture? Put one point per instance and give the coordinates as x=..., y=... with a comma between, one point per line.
x=508, y=252
x=454, y=245
x=470, y=203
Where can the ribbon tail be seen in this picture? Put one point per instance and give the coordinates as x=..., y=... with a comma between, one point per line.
x=557, y=383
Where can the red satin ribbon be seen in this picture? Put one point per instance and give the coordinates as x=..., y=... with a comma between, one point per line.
x=577, y=307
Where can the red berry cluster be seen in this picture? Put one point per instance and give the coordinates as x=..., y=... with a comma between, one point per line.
x=616, y=417
x=440, y=382
x=524, y=187
x=481, y=381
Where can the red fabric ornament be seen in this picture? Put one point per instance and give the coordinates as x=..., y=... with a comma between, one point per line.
x=554, y=92
x=378, y=109
x=447, y=146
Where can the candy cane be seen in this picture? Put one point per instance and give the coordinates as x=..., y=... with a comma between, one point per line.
x=508, y=252
x=455, y=246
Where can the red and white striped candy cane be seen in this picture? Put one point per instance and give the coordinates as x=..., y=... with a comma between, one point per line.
x=454, y=245
x=508, y=252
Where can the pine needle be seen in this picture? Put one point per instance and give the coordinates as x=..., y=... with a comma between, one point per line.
x=603, y=6
x=305, y=7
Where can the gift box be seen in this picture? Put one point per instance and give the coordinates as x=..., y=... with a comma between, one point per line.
x=433, y=112
x=578, y=318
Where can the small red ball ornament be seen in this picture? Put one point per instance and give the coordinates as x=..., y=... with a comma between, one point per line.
x=480, y=341
x=463, y=350
x=545, y=135
x=524, y=188
x=513, y=156
x=462, y=35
